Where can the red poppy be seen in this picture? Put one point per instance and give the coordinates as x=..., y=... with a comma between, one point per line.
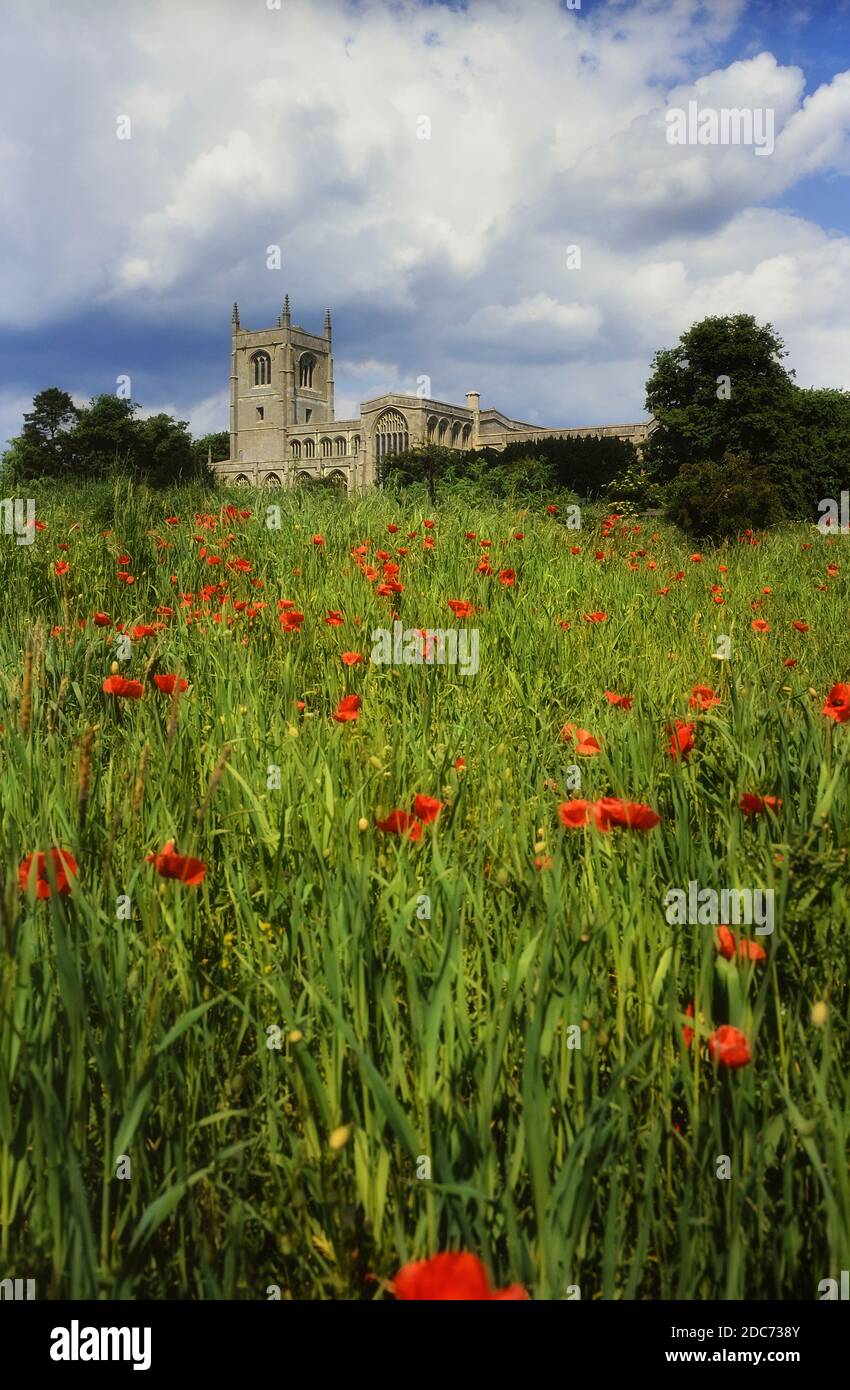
x=64, y=869
x=729, y=1048
x=800, y=627
x=759, y=625
x=102, y=620
x=624, y=701
x=401, y=823
x=790, y=661
x=837, y=704
x=484, y=567
x=552, y=509
x=167, y=683
x=180, y=866
x=318, y=540
x=703, y=698
x=352, y=658
x=60, y=568
x=753, y=805
x=688, y=1033
x=426, y=808
x=347, y=709
x=631, y=815
x=290, y=621
x=429, y=525
x=747, y=950
x=596, y=617
x=392, y=529
x=507, y=577
x=461, y=608
x=334, y=619
x=607, y=812
x=452, y=1276
x=128, y=690
x=681, y=739
x=585, y=744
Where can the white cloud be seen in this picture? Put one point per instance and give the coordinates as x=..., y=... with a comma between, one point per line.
x=253, y=127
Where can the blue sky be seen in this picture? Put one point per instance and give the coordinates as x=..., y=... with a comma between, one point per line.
x=445, y=256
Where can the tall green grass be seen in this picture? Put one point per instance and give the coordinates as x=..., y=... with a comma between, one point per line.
x=447, y=1036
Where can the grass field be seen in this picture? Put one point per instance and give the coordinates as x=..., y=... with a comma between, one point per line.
x=524, y=1042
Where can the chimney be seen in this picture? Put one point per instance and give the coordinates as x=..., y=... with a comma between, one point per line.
x=473, y=403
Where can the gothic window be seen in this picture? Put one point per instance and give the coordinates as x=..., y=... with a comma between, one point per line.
x=309, y=449
x=339, y=480
x=455, y=434
x=432, y=426
x=340, y=446
x=355, y=443
x=391, y=436
x=467, y=436
x=296, y=448
x=326, y=448
x=241, y=480
x=271, y=480
x=261, y=369
x=441, y=433
x=306, y=364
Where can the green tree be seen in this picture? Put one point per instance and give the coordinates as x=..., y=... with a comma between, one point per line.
x=217, y=443
x=163, y=452
x=106, y=437
x=721, y=390
x=44, y=446
x=425, y=463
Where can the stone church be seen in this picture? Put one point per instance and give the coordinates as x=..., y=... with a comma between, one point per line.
x=282, y=425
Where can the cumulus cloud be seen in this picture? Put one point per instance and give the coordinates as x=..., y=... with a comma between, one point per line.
x=423, y=169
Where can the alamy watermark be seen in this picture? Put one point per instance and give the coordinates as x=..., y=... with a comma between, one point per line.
x=725, y=125
x=727, y=907
x=431, y=646
x=17, y=518
x=834, y=515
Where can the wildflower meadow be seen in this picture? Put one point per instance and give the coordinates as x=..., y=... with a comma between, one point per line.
x=337, y=964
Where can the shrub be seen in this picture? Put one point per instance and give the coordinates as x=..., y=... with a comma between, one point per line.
x=717, y=500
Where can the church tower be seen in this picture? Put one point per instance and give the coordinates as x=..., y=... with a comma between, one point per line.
x=280, y=378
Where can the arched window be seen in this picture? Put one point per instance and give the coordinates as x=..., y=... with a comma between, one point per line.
x=432, y=426
x=271, y=480
x=241, y=480
x=441, y=433
x=467, y=436
x=455, y=434
x=340, y=446
x=309, y=448
x=391, y=436
x=261, y=369
x=306, y=363
x=326, y=448
x=296, y=448
x=338, y=479
x=355, y=444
